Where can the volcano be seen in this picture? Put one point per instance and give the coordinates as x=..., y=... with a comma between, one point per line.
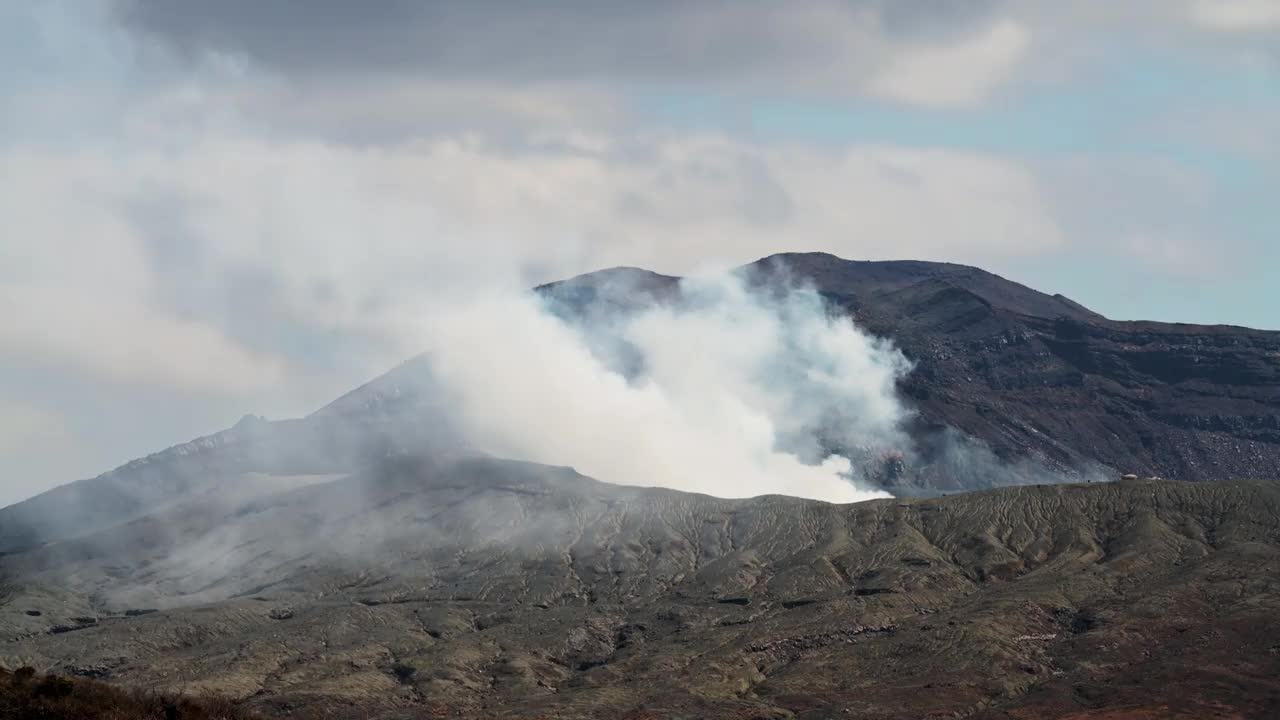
x=366, y=560
x=1048, y=388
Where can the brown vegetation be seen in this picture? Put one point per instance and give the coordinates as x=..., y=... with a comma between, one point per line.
x=25, y=695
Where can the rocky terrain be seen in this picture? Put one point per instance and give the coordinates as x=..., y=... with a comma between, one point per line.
x=490, y=589
x=364, y=561
x=1040, y=376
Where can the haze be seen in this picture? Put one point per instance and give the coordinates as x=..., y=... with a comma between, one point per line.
x=213, y=209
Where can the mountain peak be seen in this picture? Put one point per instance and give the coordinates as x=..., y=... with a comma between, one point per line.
x=836, y=275
x=250, y=422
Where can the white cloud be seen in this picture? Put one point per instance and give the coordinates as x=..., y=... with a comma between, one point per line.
x=959, y=74
x=123, y=340
x=78, y=290
x=1175, y=255
x=1236, y=15
x=1148, y=212
x=347, y=235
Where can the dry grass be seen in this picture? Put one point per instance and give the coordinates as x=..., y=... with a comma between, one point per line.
x=24, y=695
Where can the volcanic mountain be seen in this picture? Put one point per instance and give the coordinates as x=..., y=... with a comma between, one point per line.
x=366, y=561
x=1049, y=388
x=1031, y=375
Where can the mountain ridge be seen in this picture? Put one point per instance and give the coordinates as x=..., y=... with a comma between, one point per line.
x=1028, y=377
x=993, y=357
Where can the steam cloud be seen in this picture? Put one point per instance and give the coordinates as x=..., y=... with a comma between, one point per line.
x=730, y=390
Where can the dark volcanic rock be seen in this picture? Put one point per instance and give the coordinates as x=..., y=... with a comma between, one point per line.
x=1031, y=374
x=1035, y=376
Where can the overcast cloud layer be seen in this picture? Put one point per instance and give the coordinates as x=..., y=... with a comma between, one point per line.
x=211, y=209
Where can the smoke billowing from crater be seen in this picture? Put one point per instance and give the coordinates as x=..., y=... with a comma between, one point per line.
x=723, y=388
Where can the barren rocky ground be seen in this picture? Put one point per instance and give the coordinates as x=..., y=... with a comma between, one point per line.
x=482, y=588
x=363, y=561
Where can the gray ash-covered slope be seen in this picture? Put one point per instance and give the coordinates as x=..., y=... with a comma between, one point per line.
x=492, y=589
x=1032, y=375
x=396, y=413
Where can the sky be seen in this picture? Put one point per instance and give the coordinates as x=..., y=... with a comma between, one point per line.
x=213, y=209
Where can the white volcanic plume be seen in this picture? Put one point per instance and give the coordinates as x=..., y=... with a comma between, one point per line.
x=728, y=391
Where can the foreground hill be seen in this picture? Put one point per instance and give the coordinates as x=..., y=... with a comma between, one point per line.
x=492, y=589
x=1051, y=388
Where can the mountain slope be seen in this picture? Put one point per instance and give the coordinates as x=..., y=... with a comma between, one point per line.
x=1033, y=374
x=1040, y=377
x=399, y=412
x=362, y=561
x=1049, y=387
x=495, y=589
